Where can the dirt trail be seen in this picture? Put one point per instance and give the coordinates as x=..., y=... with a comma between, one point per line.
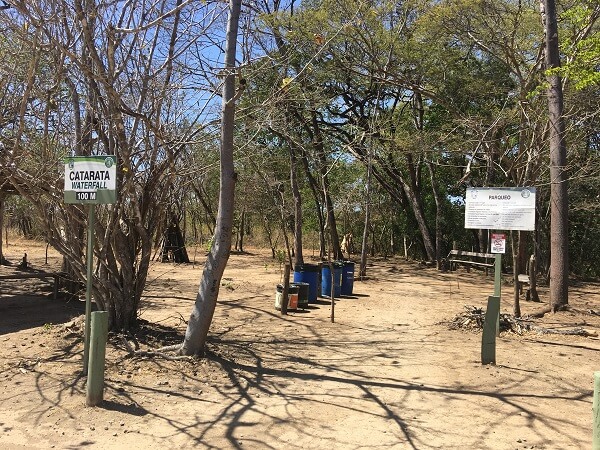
x=387, y=374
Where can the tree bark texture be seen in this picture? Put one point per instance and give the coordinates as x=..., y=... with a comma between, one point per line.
x=312, y=183
x=299, y=257
x=438, y=214
x=559, y=201
x=364, y=247
x=206, y=299
x=1, y=227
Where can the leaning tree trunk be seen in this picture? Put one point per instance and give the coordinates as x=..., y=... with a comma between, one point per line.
x=413, y=191
x=417, y=208
x=559, y=201
x=329, y=208
x=206, y=299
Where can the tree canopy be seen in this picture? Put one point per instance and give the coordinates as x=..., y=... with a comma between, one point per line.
x=423, y=98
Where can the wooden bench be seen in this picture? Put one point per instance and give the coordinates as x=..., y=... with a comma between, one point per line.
x=529, y=279
x=38, y=275
x=470, y=259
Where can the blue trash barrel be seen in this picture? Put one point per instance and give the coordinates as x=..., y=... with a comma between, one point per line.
x=348, y=278
x=326, y=280
x=308, y=273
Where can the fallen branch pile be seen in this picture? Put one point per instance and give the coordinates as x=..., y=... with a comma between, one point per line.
x=473, y=318
x=161, y=352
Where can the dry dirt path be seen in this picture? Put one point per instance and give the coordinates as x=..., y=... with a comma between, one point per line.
x=387, y=374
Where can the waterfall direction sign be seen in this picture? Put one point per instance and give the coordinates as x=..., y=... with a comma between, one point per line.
x=91, y=179
x=500, y=208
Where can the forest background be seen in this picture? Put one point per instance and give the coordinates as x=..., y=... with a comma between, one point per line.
x=352, y=117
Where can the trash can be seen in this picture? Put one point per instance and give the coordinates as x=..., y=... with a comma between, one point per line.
x=303, y=289
x=326, y=279
x=308, y=273
x=347, y=277
x=292, y=297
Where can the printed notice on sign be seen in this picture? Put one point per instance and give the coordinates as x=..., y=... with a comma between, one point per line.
x=498, y=243
x=500, y=208
x=90, y=179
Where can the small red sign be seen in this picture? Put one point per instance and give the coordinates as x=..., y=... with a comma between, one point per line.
x=498, y=243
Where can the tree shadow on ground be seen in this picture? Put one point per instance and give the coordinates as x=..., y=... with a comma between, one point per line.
x=259, y=367
x=20, y=312
x=252, y=366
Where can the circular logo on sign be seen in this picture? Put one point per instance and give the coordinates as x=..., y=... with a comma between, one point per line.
x=71, y=164
x=108, y=162
x=525, y=193
x=474, y=193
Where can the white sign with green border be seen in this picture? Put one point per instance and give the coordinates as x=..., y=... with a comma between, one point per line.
x=91, y=179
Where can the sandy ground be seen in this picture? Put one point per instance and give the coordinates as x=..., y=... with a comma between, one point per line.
x=388, y=373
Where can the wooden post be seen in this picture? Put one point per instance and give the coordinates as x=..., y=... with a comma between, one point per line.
x=95, y=379
x=488, y=338
x=596, y=412
x=498, y=287
x=517, y=286
x=332, y=293
x=498, y=275
x=286, y=289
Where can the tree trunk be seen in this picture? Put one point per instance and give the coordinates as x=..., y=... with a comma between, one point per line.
x=413, y=190
x=438, y=214
x=335, y=239
x=316, y=195
x=329, y=209
x=206, y=299
x=532, y=271
x=2, y=260
x=284, y=224
x=559, y=201
x=297, y=208
x=269, y=232
x=241, y=231
x=365, y=237
x=421, y=221
x=516, y=270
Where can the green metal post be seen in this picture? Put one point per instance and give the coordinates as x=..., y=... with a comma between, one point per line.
x=95, y=379
x=498, y=275
x=498, y=286
x=488, y=338
x=88, y=291
x=596, y=412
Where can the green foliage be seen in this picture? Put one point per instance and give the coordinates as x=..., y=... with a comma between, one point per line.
x=209, y=244
x=281, y=256
x=580, y=45
x=340, y=85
